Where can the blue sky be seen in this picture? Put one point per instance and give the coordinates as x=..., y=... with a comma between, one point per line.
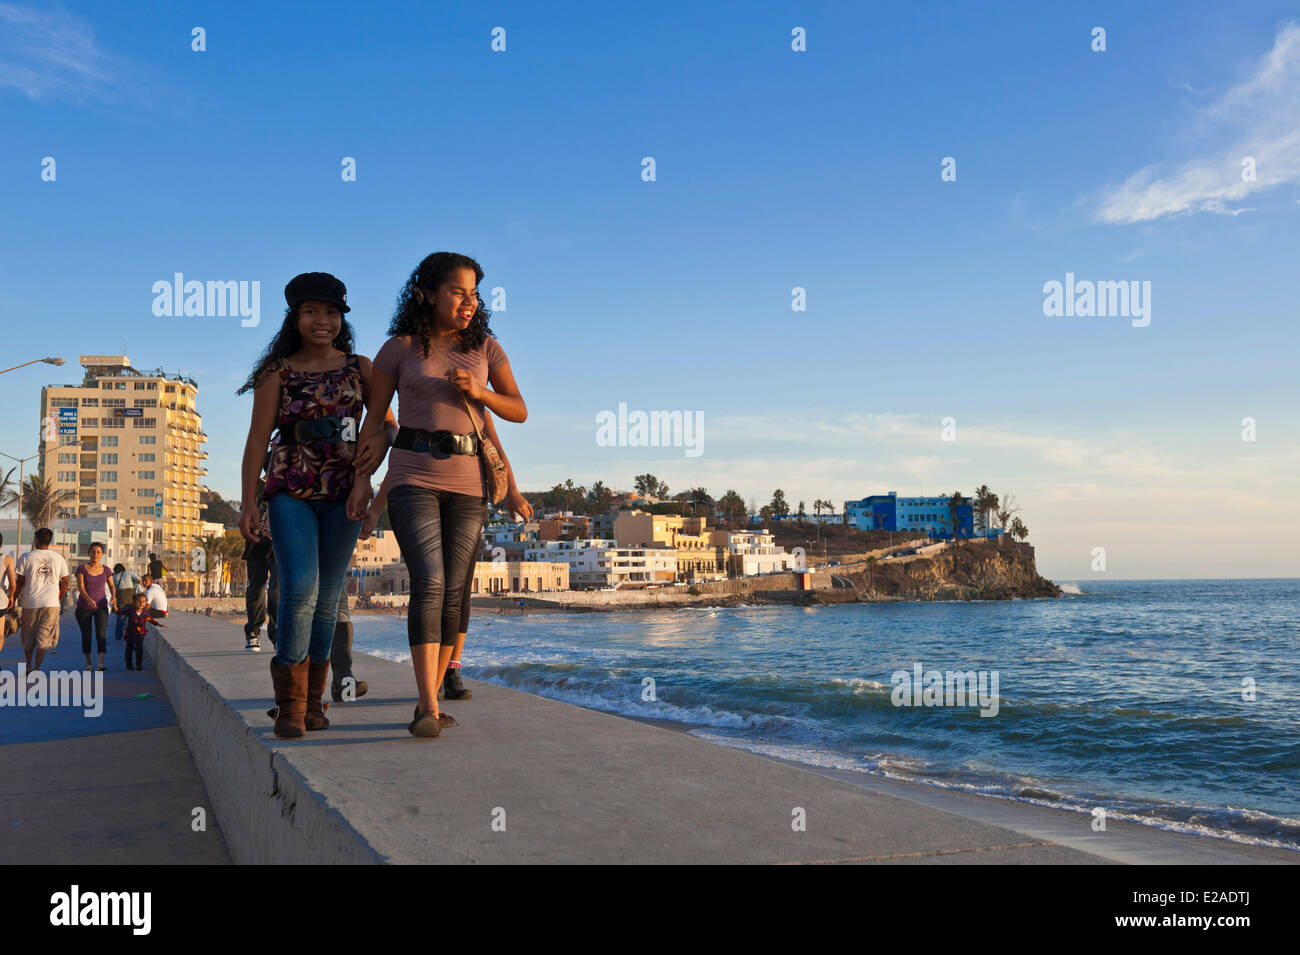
x=775, y=169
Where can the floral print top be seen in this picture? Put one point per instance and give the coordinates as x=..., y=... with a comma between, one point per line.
x=317, y=470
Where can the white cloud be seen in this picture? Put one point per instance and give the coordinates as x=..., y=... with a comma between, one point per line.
x=52, y=55
x=1259, y=118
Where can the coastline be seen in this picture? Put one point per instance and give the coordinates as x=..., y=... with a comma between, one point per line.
x=1134, y=842
x=597, y=788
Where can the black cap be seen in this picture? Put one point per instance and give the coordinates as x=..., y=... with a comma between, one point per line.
x=316, y=287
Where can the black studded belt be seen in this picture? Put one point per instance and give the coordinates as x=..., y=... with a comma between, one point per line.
x=440, y=444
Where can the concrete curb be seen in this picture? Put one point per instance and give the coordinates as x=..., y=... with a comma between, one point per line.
x=267, y=811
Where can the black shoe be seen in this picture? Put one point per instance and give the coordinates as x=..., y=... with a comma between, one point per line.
x=452, y=688
x=358, y=691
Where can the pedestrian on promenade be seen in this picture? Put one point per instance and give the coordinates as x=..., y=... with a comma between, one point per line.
x=439, y=362
x=95, y=598
x=155, y=596
x=261, y=595
x=137, y=619
x=310, y=386
x=43, y=574
x=8, y=585
x=125, y=586
x=157, y=570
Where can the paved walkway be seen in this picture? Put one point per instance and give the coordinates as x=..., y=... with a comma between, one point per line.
x=117, y=788
x=527, y=779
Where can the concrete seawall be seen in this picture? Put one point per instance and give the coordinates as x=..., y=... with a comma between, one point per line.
x=526, y=779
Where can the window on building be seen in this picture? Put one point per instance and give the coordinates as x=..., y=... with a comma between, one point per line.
x=146, y=402
x=146, y=458
x=108, y=494
x=67, y=459
x=146, y=475
x=105, y=386
x=148, y=439
x=113, y=403
x=119, y=386
x=110, y=441
x=108, y=459
x=145, y=422
x=108, y=477
x=63, y=402
x=90, y=402
x=68, y=475
x=114, y=422
x=144, y=492
x=90, y=422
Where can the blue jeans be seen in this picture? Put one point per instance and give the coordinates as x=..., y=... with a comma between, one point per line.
x=313, y=542
x=438, y=533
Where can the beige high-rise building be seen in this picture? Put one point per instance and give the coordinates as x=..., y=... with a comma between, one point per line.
x=130, y=441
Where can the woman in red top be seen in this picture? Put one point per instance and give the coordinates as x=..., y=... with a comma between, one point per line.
x=439, y=363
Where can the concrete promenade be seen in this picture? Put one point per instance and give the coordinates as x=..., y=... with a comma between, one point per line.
x=118, y=788
x=526, y=779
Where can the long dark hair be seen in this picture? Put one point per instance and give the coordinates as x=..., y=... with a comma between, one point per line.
x=287, y=341
x=414, y=316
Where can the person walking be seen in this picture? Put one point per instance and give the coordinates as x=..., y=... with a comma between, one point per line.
x=137, y=620
x=438, y=361
x=42, y=584
x=311, y=389
x=125, y=586
x=157, y=570
x=261, y=595
x=8, y=585
x=95, y=598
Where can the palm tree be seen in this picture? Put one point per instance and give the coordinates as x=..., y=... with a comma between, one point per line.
x=8, y=496
x=41, y=501
x=1018, y=530
x=953, y=503
x=985, y=501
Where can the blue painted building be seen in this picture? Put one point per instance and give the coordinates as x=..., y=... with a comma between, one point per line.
x=929, y=515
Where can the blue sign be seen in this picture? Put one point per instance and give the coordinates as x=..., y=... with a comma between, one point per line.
x=67, y=414
x=67, y=429
x=128, y=412
x=157, y=506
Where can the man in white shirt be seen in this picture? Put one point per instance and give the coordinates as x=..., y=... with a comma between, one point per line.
x=42, y=584
x=154, y=594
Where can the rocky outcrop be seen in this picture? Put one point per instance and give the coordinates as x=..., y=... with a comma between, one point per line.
x=971, y=570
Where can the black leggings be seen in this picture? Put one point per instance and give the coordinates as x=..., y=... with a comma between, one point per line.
x=100, y=617
x=469, y=587
x=438, y=533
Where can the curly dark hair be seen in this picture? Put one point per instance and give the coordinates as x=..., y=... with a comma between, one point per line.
x=287, y=341
x=415, y=317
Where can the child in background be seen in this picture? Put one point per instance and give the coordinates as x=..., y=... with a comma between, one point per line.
x=137, y=620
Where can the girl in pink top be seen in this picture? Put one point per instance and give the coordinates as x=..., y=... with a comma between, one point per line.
x=439, y=362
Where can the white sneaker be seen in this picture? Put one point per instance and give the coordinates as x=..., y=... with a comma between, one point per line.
x=253, y=643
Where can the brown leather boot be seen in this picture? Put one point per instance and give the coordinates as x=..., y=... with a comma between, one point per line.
x=290, y=698
x=317, y=674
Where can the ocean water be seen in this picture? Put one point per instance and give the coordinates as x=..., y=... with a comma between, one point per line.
x=1128, y=695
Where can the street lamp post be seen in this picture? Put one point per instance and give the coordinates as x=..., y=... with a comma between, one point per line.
x=34, y=361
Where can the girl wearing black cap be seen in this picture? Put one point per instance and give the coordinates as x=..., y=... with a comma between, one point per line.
x=439, y=362
x=310, y=386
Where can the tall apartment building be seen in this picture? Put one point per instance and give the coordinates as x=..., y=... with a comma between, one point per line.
x=130, y=441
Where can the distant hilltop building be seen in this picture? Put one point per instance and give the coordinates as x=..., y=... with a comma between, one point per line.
x=130, y=442
x=930, y=515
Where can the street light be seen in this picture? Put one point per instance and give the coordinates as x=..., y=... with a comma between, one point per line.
x=34, y=361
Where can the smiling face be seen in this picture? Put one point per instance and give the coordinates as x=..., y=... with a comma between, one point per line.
x=456, y=301
x=319, y=323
